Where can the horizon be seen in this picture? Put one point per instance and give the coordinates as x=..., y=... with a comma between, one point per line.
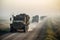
x=30, y=7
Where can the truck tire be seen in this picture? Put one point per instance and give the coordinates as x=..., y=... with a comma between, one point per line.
x=26, y=29
x=12, y=29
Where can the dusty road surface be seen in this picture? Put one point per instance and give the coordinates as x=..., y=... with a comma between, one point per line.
x=30, y=35
x=46, y=30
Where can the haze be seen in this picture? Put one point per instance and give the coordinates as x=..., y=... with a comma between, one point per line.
x=31, y=7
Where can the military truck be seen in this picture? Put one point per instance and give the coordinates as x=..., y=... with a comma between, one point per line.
x=20, y=22
x=35, y=18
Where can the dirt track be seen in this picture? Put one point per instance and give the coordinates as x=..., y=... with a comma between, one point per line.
x=30, y=35
x=41, y=32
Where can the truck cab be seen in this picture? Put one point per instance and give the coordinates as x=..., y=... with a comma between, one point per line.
x=20, y=22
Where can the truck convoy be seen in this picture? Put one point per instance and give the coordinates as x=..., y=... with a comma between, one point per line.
x=20, y=22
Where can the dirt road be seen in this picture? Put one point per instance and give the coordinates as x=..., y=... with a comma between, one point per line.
x=30, y=35
x=43, y=31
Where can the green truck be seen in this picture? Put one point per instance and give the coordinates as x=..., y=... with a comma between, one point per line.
x=20, y=22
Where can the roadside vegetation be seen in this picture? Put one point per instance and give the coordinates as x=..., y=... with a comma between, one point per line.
x=53, y=32
x=58, y=32
x=4, y=31
x=50, y=35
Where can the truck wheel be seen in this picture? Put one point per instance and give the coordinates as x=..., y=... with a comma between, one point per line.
x=26, y=29
x=12, y=29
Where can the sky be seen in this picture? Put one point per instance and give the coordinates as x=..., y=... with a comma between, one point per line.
x=30, y=7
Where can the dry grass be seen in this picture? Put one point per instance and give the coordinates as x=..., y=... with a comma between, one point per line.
x=50, y=35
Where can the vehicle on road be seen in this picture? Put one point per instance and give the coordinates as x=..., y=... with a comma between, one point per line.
x=35, y=19
x=20, y=22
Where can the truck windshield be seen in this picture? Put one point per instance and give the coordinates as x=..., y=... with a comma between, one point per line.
x=19, y=18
